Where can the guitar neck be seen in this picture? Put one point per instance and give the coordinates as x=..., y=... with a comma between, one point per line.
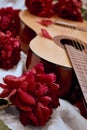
x=78, y=59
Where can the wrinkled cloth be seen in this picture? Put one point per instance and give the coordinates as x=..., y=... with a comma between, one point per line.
x=65, y=117
x=16, y=4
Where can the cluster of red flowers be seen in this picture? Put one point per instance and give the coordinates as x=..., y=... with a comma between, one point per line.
x=9, y=50
x=69, y=9
x=9, y=20
x=10, y=46
x=35, y=94
x=40, y=7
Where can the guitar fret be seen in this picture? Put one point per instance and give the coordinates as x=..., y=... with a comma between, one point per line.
x=85, y=96
x=80, y=70
x=83, y=61
x=81, y=56
x=80, y=67
x=74, y=50
x=82, y=83
x=77, y=65
x=79, y=62
x=82, y=78
x=84, y=89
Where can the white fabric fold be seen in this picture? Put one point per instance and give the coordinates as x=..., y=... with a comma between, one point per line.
x=65, y=117
x=16, y=4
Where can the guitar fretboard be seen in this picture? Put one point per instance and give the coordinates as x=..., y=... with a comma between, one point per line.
x=78, y=59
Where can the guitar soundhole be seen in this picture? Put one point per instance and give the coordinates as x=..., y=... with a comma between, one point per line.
x=77, y=44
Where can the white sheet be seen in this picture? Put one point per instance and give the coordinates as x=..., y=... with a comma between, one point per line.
x=65, y=117
x=16, y=4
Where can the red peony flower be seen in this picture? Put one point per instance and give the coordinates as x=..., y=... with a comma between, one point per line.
x=35, y=94
x=69, y=9
x=9, y=20
x=43, y=8
x=9, y=50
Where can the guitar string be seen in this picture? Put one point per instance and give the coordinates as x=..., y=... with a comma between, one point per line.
x=80, y=47
x=71, y=27
x=73, y=30
x=80, y=44
x=84, y=46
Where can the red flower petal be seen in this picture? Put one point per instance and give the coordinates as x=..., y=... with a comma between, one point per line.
x=43, y=114
x=45, y=22
x=45, y=100
x=33, y=119
x=55, y=101
x=45, y=34
x=22, y=105
x=13, y=92
x=39, y=68
x=25, y=97
x=23, y=118
x=41, y=90
x=13, y=81
x=30, y=79
x=54, y=88
x=3, y=86
x=5, y=93
x=46, y=78
x=24, y=86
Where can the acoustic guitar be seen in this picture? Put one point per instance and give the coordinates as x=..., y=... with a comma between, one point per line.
x=66, y=53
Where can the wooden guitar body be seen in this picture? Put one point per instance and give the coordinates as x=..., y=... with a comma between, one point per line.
x=53, y=52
